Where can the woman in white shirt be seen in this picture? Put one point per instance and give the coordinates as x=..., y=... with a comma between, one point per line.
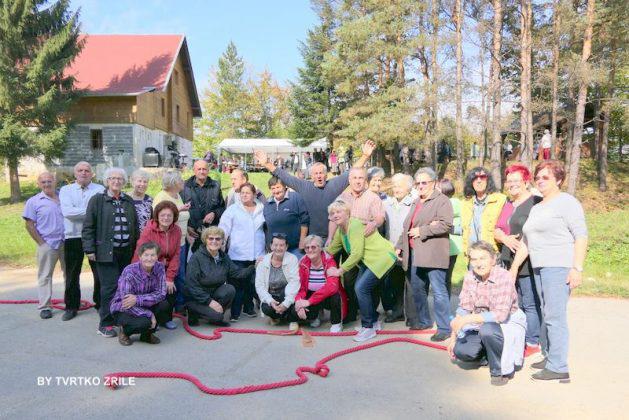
x=243, y=225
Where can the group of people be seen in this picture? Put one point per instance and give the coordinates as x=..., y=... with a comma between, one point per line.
x=338, y=244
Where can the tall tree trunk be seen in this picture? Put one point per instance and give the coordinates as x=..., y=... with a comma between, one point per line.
x=605, y=115
x=434, y=13
x=526, y=115
x=582, y=96
x=555, y=77
x=597, y=124
x=14, y=180
x=496, y=141
x=458, y=19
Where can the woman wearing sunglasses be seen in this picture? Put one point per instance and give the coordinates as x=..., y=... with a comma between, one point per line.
x=209, y=273
x=425, y=250
x=481, y=208
x=555, y=239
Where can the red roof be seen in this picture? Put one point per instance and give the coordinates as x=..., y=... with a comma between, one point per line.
x=114, y=65
x=125, y=64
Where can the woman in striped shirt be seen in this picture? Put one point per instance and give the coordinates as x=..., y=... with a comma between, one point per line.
x=319, y=290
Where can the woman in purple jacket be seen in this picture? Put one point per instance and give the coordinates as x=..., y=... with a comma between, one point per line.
x=140, y=301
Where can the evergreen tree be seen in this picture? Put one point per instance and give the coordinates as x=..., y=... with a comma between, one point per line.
x=38, y=41
x=224, y=102
x=313, y=103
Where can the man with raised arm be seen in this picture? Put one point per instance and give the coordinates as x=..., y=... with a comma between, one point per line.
x=318, y=193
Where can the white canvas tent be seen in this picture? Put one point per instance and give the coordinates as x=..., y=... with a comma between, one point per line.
x=273, y=147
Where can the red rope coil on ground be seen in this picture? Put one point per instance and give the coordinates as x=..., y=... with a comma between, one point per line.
x=320, y=368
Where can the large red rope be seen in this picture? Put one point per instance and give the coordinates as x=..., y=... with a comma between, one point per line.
x=320, y=368
x=85, y=305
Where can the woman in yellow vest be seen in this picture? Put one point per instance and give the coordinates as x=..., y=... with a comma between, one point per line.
x=481, y=208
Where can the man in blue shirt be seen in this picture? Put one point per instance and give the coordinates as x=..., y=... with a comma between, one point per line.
x=285, y=212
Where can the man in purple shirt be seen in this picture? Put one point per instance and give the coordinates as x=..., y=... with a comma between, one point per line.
x=44, y=222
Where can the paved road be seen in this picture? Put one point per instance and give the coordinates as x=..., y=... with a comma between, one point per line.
x=393, y=381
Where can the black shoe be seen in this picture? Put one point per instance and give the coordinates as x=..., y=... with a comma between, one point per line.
x=251, y=314
x=419, y=327
x=193, y=321
x=394, y=317
x=440, y=337
x=45, y=314
x=180, y=310
x=219, y=323
x=549, y=375
x=149, y=337
x=499, y=380
x=68, y=314
x=539, y=365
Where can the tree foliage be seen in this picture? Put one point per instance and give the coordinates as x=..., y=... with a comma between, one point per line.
x=38, y=40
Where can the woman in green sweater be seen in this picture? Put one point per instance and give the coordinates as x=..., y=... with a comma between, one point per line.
x=374, y=255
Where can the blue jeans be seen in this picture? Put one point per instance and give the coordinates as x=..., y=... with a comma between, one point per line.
x=529, y=303
x=181, y=275
x=421, y=280
x=364, y=286
x=553, y=295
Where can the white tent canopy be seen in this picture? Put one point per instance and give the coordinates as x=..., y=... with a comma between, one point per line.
x=272, y=146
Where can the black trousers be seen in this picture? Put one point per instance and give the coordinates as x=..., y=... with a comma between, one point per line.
x=108, y=273
x=393, y=290
x=332, y=303
x=132, y=324
x=349, y=282
x=73, y=253
x=487, y=342
x=224, y=295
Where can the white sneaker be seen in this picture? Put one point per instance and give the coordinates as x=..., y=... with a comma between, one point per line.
x=293, y=326
x=377, y=326
x=336, y=328
x=316, y=323
x=365, y=334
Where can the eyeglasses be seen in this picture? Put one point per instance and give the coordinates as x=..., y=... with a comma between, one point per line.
x=423, y=183
x=480, y=176
x=307, y=247
x=542, y=177
x=115, y=178
x=214, y=239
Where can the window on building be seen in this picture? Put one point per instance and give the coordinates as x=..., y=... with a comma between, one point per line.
x=97, y=139
x=176, y=74
x=177, y=113
x=163, y=104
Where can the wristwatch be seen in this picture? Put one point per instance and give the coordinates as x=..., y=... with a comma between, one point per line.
x=580, y=270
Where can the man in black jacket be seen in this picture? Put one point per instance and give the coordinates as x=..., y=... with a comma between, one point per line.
x=110, y=232
x=206, y=201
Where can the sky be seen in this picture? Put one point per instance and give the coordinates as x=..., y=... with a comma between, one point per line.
x=266, y=32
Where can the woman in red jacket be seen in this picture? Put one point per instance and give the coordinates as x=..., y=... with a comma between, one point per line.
x=164, y=231
x=318, y=290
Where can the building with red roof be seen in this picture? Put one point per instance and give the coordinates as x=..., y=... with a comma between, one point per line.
x=139, y=96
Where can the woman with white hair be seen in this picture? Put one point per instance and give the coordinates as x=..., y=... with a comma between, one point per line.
x=172, y=185
x=396, y=209
x=110, y=232
x=375, y=176
x=425, y=251
x=141, y=200
x=374, y=255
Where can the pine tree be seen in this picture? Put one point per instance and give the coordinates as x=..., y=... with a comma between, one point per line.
x=313, y=103
x=224, y=102
x=38, y=41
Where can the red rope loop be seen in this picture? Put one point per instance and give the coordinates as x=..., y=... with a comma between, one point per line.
x=321, y=369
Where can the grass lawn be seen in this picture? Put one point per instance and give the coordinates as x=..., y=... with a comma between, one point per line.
x=605, y=269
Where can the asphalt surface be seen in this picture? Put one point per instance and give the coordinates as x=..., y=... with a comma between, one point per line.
x=396, y=381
